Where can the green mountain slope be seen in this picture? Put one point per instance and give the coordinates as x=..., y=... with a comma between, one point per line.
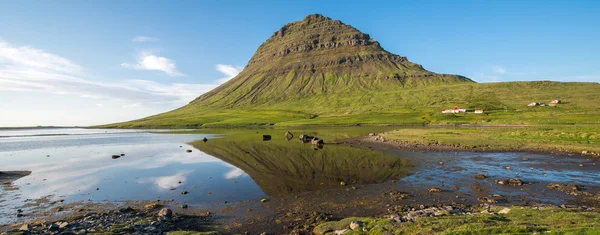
x=318, y=55
x=321, y=71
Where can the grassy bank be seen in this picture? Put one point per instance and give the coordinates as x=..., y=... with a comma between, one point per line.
x=517, y=221
x=577, y=139
x=503, y=103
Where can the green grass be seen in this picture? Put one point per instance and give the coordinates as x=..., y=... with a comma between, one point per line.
x=517, y=221
x=504, y=103
x=569, y=138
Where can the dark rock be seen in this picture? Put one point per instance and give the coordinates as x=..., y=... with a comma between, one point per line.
x=188, y=151
x=116, y=156
x=305, y=138
x=205, y=139
x=266, y=137
x=53, y=227
x=316, y=141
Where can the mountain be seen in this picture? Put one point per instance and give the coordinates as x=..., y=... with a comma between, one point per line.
x=319, y=71
x=318, y=55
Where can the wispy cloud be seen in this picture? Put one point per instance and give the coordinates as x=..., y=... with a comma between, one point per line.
x=34, y=70
x=229, y=71
x=144, y=39
x=498, y=69
x=27, y=57
x=153, y=62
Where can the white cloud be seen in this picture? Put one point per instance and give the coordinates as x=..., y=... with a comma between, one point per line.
x=234, y=173
x=144, y=39
x=27, y=57
x=153, y=62
x=172, y=181
x=498, y=69
x=229, y=71
x=26, y=69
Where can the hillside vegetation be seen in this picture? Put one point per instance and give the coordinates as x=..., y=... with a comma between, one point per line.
x=503, y=103
x=319, y=71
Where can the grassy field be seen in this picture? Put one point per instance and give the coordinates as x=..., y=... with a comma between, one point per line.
x=504, y=103
x=517, y=221
x=566, y=138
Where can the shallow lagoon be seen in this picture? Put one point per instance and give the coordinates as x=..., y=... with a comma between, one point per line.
x=237, y=165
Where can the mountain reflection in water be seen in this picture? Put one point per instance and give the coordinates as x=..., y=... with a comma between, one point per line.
x=279, y=167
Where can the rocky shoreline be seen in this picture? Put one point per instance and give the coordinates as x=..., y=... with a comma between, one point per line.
x=153, y=218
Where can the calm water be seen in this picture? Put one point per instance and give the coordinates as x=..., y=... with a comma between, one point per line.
x=237, y=165
x=71, y=164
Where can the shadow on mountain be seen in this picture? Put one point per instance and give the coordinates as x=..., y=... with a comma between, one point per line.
x=282, y=167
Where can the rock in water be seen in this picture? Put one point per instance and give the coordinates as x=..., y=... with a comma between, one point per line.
x=480, y=176
x=115, y=156
x=188, y=151
x=288, y=135
x=166, y=212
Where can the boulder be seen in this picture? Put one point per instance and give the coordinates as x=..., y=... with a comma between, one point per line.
x=266, y=137
x=511, y=182
x=435, y=190
x=53, y=227
x=205, y=139
x=354, y=225
x=188, y=151
x=486, y=200
x=480, y=176
x=306, y=138
x=25, y=228
x=340, y=232
x=316, y=141
x=116, y=156
x=288, y=135
x=166, y=212
x=63, y=225
x=505, y=210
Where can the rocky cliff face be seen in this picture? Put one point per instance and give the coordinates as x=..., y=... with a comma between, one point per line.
x=318, y=55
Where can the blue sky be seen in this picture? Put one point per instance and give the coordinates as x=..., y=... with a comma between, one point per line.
x=94, y=62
